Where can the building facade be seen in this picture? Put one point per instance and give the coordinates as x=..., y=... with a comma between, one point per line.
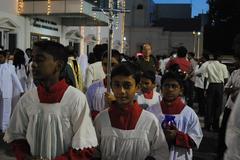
x=71, y=22
x=165, y=26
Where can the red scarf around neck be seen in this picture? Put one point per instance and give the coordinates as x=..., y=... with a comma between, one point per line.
x=174, y=108
x=54, y=95
x=148, y=95
x=124, y=118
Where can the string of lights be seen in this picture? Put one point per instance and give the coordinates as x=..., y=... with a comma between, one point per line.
x=98, y=34
x=123, y=26
x=81, y=6
x=20, y=6
x=49, y=7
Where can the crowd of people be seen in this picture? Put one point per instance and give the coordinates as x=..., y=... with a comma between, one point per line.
x=54, y=104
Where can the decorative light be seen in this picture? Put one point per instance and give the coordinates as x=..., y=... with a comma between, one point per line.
x=98, y=34
x=81, y=6
x=20, y=6
x=82, y=44
x=94, y=16
x=123, y=38
x=49, y=7
x=94, y=13
x=117, y=15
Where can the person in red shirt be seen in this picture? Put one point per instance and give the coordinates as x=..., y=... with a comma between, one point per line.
x=52, y=121
x=186, y=67
x=181, y=60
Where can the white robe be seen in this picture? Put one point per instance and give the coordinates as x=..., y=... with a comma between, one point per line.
x=144, y=102
x=30, y=82
x=187, y=121
x=147, y=139
x=94, y=72
x=22, y=76
x=95, y=96
x=10, y=86
x=51, y=128
x=83, y=62
x=233, y=133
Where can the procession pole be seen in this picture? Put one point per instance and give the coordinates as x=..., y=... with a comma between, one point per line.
x=110, y=38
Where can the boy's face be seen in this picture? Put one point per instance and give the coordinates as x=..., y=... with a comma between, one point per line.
x=171, y=90
x=124, y=89
x=104, y=64
x=146, y=85
x=44, y=66
x=2, y=59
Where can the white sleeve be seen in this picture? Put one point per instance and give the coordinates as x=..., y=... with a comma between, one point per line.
x=16, y=84
x=18, y=124
x=233, y=133
x=89, y=76
x=158, y=144
x=84, y=132
x=194, y=130
x=225, y=72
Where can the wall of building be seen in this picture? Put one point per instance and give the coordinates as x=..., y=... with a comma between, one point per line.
x=25, y=28
x=162, y=42
x=24, y=24
x=173, y=11
x=139, y=17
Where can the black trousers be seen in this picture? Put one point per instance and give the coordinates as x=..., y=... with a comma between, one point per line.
x=214, y=105
x=189, y=92
x=200, y=99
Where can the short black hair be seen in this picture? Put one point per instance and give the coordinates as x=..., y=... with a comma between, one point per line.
x=3, y=52
x=174, y=76
x=127, y=69
x=149, y=75
x=28, y=50
x=57, y=50
x=182, y=51
x=19, y=58
x=99, y=50
x=115, y=54
x=71, y=51
x=206, y=56
x=192, y=54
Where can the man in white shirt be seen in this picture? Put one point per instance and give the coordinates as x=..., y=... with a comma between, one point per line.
x=216, y=74
x=199, y=84
x=95, y=71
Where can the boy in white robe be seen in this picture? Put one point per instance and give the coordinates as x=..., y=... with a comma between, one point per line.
x=52, y=121
x=125, y=131
x=9, y=86
x=147, y=96
x=180, y=123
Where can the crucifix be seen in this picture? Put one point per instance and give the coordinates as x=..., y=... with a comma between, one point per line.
x=111, y=13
